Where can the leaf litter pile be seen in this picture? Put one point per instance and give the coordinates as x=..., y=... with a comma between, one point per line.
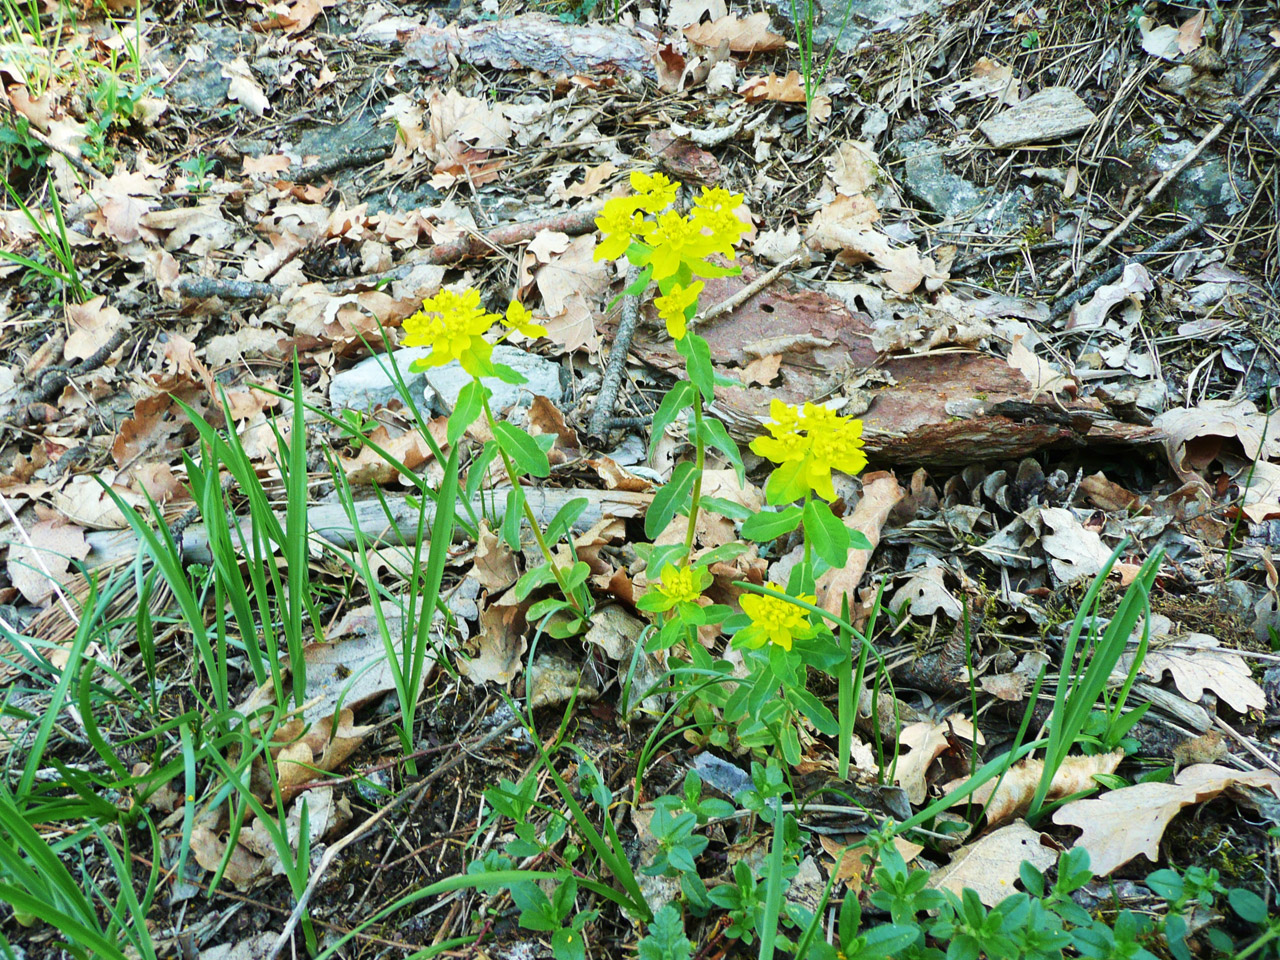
x=1034, y=250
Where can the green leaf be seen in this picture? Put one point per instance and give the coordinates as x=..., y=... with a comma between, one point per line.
x=858, y=540
x=1248, y=905
x=533, y=579
x=726, y=508
x=717, y=437
x=565, y=518
x=824, y=531
x=669, y=499
x=509, y=374
x=679, y=397
x=702, y=373
x=522, y=449
x=467, y=410
x=769, y=525
x=511, y=519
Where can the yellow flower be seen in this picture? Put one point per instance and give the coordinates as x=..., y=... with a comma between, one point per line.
x=678, y=585
x=677, y=240
x=674, y=307
x=453, y=325
x=807, y=445
x=621, y=224
x=774, y=621
x=519, y=318
x=713, y=212
x=653, y=192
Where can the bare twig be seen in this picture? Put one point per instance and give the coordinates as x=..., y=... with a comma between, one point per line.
x=1151, y=195
x=608, y=395
x=331, y=853
x=732, y=303
x=1060, y=307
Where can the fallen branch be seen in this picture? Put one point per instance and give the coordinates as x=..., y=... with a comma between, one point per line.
x=574, y=223
x=330, y=521
x=1152, y=194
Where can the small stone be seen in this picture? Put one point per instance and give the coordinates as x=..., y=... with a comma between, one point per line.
x=1052, y=114
x=369, y=383
x=541, y=375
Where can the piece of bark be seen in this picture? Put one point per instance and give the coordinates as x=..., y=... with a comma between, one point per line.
x=330, y=521
x=535, y=41
x=1052, y=114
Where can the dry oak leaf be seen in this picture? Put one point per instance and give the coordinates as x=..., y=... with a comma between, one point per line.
x=751, y=34
x=370, y=467
x=928, y=595
x=1198, y=663
x=501, y=644
x=926, y=741
x=53, y=548
x=1042, y=375
x=1074, y=551
x=844, y=225
x=244, y=88
x=1018, y=787
x=854, y=167
x=992, y=865
x=1130, y=821
x=788, y=89
x=92, y=325
x=1197, y=436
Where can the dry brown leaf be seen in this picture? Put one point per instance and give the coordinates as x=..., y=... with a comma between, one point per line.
x=928, y=595
x=682, y=13
x=1018, y=786
x=369, y=467
x=501, y=644
x=844, y=225
x=54, y=547
x=1191, y=33
x=244, y=88
x=854, y=167
x=495, y=566
x=991, y=866
x=1106, y=494
x=788, y=89
x=751, y=34
x=1124, y=823
x=1042, y=375
x=762, y=370
x=880, y=493
x=92, y=325
x=925, y=742
x=1198, y=662
x=1073, y=551
x=592, y=183
x=1197, y=436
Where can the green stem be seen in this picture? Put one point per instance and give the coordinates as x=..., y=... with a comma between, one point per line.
x=530, y=516
x=700, y=446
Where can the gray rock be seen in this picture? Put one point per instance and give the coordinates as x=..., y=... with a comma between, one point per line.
x=926, y=177
x=1208, y=187
x=369, y=383
x=864, y=16
x=1051, y=114
x=542, y=376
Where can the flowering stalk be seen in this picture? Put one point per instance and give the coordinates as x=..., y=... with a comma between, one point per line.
x=513, y=478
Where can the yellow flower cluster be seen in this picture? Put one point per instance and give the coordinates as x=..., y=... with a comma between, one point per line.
x=453, y=324
x=807, y=445
x=775, y=621
x=671, y=244
x=682, y=584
